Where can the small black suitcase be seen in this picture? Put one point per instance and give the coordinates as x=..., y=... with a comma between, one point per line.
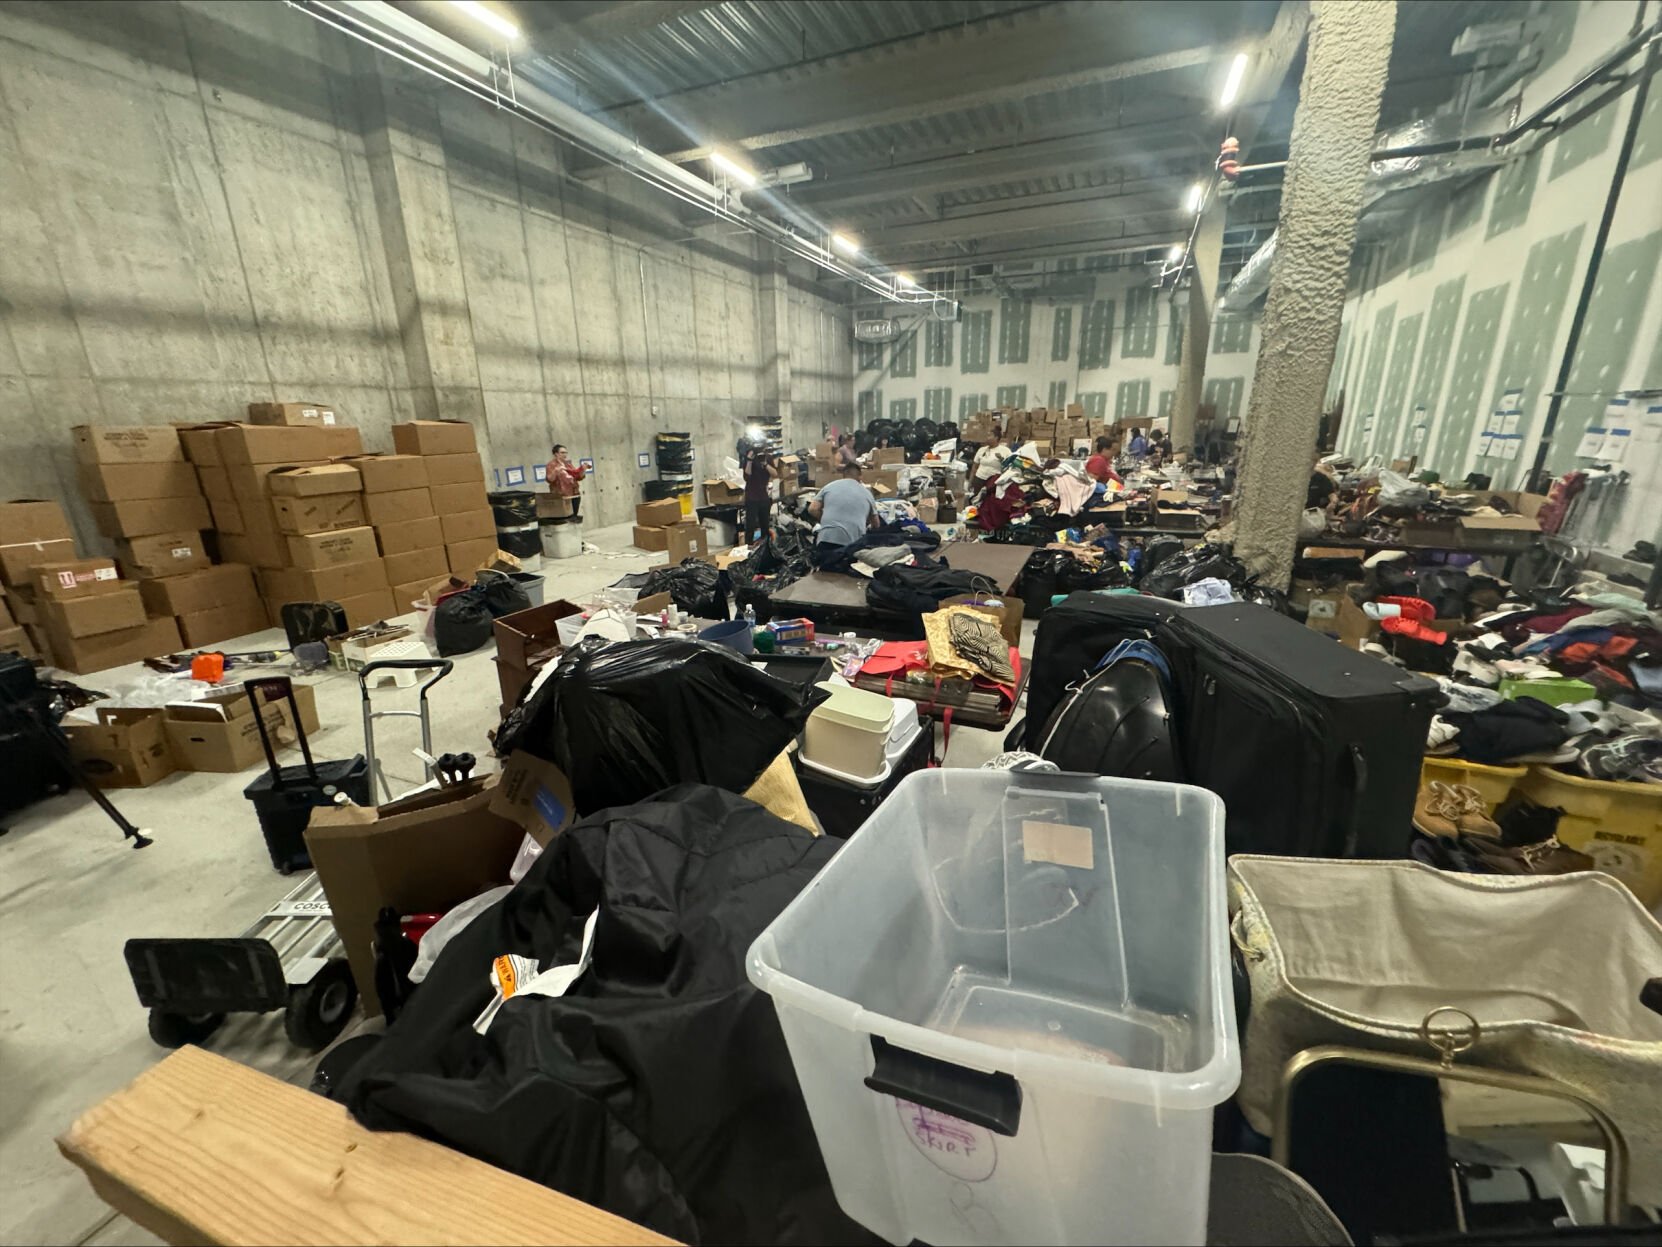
x=285, y=796
x=843, y=807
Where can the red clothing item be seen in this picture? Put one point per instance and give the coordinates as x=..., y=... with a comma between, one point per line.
x=1098, y=468
x=564, y=478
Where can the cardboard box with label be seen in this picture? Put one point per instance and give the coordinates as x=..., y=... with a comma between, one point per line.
x=425, y=566
x=311, y=480
x=211, y=587
x=466, y=557
x=84, y=655
x=406, y=535
x=77, y=578
x=126, y=443
x=219, y=732
x=143, y=517
x=454, y=469
x=291, y=413
x=398, y=506
x=285, y=444
x=197, y=440
x=126, y=748
x=162, y=554
x=468, y=526
x=319, y=514
x=434, y=437
x=658, y=514
x=121, y=482
x=455, y=499
x=76, y=617
x=315, y=551
x=686, y=541
x=383, y=474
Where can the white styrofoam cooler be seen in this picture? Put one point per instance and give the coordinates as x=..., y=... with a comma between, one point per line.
x=846, y=733
x=1007, y=1001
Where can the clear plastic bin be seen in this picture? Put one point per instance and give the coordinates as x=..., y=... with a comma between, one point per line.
x=1007, y=1000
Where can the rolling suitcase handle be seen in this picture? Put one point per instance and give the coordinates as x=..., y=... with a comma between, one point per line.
x=442, y=665
x=280, y=686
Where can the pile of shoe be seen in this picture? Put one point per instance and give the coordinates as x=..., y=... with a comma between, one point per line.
x=1454, y=832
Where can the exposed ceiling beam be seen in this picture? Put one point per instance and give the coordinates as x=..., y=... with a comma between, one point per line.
x=995, y=62
x=1060, y=245
x=1163, y=193
x=634, y=17
x=1178, y=140
x=1016, y=217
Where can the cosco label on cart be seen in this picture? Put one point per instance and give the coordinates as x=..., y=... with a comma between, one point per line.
x=960, y=1148
x=300, y=909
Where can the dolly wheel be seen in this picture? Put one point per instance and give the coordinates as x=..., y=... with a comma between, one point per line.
x=318, y=1011
x=175, y=1030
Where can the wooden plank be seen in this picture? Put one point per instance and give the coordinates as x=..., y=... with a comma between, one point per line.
x=199, y=1149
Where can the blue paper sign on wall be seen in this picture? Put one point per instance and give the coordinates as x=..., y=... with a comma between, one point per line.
x=516, y=476
x=588, y=464
x=540, y=473
x=643, y=460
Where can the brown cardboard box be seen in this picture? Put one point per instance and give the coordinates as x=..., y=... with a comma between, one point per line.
x=1524, y=503
x=84, y=655
x=197, y=440
x=220, y=733
x=650, y=538
x=32, y=520
x=535, y=794
x=222, y=623
x=393, y=508
x=6, y=618
x=281, y=585
x=454, y=469
x=382, y=474
x=257, y=548
x=465, y=557
x=118, y=482
x=363, y=609
x=553, y=507
x=16, y=640
x=433, y=437
x=126, y=443
x=163, y=554
x=315, y=551
x=659, y=514
x=141, y=517
x=227, y=516
x=423, y=854
x=407, y=535
x=126, y=748
x=285, y=444
x=310, y=480
x=873, y=477
x=409, y=592
x=688, y=540
x=74, y=618
x=77, y=578
x=251, y=481
x=887, y=458
x=291, y=413
x=321, y=513
x=423, y=565
x=454, y=499
x=526, y=638
x=207, y=589
x=214, y=481
x=790, y=475
x=468, y=526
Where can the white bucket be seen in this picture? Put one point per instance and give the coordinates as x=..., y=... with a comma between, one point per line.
x=562, y=541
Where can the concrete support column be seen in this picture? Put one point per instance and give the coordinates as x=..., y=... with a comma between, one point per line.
x=773, y=302
x=1197, y=334
x=1333, y=129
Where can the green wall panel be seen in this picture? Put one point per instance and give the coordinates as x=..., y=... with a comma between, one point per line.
x=1336, y=375
x=903, y=409
x=903, y=359
x=977, y=341
x=1647, y=144
x=1584, y=140
x=1231, y=335
x=1428, y=234
x=870, y=355
x=1466, y=380
x=1061, y=333
x=1465, y=207
x=1011, y=396
x=1514, y=192
x=868, y=405
x=969, y=404
x=1058, y=397
x=1131, y=400
x=1439, y=345
x=1608, y=338
x=1142, y=323
x=1015, y=327
x=1224, y=394
x=937, y=344
x=1096, y=331
x=1367, y=394
x=1398, y=373
x=1167, y=400
x=1176, y=317
x=937, y=404
x=1095, y=404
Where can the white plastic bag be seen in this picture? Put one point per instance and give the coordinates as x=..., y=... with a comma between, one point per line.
x=451, y=924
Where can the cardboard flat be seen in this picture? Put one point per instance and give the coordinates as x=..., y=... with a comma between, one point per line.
x=434, y=437
x=454, y=469
x=455, y=499
x=291, y=413
x=468, y=526
x=658, y=514
x=405, y=535
x=77, y=578
x=203, y=590
x=285, y=444
x=313, y=479
x=197, y=440
x=85, y=655
x=126, y=748
x=163, y=554
x=383, y=474
x=529, y=636
x=126, y=443
x=19, y=560
x=321, y=513
x=119, y=482
x=142, y=517
x=77, y=617
x=222, y=623
x=397, y=506
x=424, y=854
x=466, y=557
x=425, y=566
x=31, y=520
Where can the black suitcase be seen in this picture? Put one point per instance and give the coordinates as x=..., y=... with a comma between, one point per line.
x=842, y=807
x=1314, y=748
x=284, y=797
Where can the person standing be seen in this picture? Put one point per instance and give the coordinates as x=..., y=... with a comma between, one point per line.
x=566, y=478
x=989, y=462
x=760, y=470
x=845, y=451
x=846, y=511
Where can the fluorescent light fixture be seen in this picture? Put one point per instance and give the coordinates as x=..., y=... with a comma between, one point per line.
x=905, y=279
x=1232, y=84
x=1197, y=192
x=1176, y=253
x=733, y=169
x=845, y=244
x=485, y=17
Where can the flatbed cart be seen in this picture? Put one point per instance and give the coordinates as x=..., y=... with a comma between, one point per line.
x=291, y=958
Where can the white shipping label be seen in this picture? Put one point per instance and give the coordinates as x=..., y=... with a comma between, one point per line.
x=183, y=552
x=104, y=573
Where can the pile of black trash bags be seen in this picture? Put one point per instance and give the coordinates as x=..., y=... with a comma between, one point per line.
x=462, y=620
x=1166, y=570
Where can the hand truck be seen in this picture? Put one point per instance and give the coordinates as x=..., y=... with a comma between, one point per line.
x=424, y=713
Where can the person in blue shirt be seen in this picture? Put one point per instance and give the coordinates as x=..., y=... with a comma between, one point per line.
x=846, y=511
x=1137, y=447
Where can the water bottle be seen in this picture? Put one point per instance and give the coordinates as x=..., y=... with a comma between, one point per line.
x=750, y=615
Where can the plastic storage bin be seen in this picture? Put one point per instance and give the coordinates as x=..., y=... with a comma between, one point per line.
x=847, y=732
x=1619, y=825
x=1493, y=783
x=1007, y=1001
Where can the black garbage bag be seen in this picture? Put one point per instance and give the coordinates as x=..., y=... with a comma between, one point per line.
x=626, y=719
x=462, y=622
x=697, y=587
x=503, y=594
x=915, y=591
x=658, y=1087
x=513, y=507
x=1202, y=562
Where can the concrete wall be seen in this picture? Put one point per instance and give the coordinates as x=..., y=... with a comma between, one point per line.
x=1109, y=347
x=210, y=203
x=1474, y=302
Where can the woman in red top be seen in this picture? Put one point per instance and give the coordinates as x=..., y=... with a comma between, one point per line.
x=566, y=478
x=1100, y=466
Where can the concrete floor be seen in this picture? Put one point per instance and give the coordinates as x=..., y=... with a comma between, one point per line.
x=71, y=1028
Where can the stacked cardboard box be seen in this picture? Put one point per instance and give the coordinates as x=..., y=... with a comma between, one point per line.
x=659, y=526
x=454, y=476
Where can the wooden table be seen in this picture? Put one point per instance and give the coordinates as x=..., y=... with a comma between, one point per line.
x=998, y=561
x=837, y=600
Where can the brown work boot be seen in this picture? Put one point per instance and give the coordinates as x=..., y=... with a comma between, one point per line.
x=1474, y=812
x=1549, y=857
x=1437, y=810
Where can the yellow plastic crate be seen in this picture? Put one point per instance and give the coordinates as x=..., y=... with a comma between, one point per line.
x=1491, y=782
x=1618, y=824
